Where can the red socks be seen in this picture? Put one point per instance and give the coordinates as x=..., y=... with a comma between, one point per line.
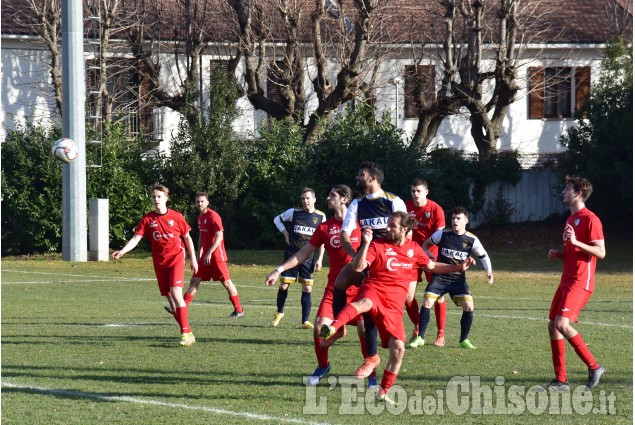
x=558, y=349
x=235, y=300
x=440, y=311
x=188, y=298
x=322, y=353
x=388, y=379
x=413, y=312
x=583, y=351
x=362, y=341
x=181, y=318
x=347, y=314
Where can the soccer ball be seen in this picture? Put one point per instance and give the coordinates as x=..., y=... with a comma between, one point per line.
x=65, y=150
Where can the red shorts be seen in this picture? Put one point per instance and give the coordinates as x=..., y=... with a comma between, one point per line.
x=568, y=302
x=170, y=276
x=389, y=321
x=215, y=270
x=326, y=305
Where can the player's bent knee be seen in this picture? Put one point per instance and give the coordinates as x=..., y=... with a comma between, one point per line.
x=320, y=321
x=428, y=301
x=562, y=324
x=363, y=305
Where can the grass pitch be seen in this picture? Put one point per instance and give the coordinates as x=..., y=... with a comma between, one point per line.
x=87, y=343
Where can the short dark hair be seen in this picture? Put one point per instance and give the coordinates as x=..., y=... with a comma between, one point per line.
x=344, y=191
x=405, y=220
x=307, y=189
x=419, y=182
x=580, y=184
x=374, y=170
x=197, y=194
x=461, y=210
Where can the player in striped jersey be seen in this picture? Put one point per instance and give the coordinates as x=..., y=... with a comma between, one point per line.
x=297, y=225
x=371, y=210
x=455, y=246
x=328, y=236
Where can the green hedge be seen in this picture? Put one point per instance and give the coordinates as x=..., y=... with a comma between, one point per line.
x=250, y=181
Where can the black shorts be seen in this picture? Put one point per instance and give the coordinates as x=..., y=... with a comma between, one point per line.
x=458, y=290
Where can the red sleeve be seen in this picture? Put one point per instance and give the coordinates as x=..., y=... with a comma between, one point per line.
x=217, y=222
x=372, y=254
x=595, y=229
x=141, y=227
x=317, y=238
x=184, y=227
x=439, y=221
x=422, y=258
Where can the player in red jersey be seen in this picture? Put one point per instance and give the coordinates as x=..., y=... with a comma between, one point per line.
x=328, y=235
x=390, y=261
x=166, y=230
x=212, y=255
x=583, y=245
x=431, y=218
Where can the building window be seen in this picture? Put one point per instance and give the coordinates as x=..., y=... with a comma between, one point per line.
x=129, y=98
x=557, y=92
x=216, y=65
x=419, y=89
x=275, y=81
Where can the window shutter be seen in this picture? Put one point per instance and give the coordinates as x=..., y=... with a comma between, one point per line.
x=582, y=88
x=145, y=101
x=216, y=65
x=274, y=80
x=536, y=81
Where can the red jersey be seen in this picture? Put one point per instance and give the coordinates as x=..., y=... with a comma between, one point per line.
x=390, y=269
x=430, y=217
x=328, y=233
x=579, y=267
x=164, y=231
x=208, y=224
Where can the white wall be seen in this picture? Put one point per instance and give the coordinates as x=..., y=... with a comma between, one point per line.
x=27, y=92
x=519, y=132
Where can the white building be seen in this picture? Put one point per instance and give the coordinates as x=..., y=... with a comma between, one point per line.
x=533, y=124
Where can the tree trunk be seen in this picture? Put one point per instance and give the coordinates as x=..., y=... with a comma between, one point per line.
x=427, y=127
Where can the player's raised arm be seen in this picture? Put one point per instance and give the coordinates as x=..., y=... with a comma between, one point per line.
x=441, y=268
x=359, y=261
x=595, y=248
x=298, y=258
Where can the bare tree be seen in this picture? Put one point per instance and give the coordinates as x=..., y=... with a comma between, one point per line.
x=48, y=24
x=255, y=33
x=338, y=47
x=484, y=90
x=337, y=33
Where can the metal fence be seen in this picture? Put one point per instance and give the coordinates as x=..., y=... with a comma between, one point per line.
x=535, y=197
